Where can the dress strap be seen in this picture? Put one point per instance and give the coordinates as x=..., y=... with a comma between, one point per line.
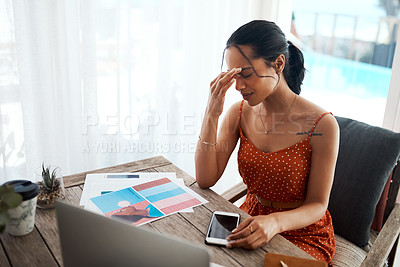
x=316, y=122
x=240, y=117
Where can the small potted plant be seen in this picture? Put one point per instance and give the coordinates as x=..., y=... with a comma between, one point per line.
x=9, y=199
x=51, y=187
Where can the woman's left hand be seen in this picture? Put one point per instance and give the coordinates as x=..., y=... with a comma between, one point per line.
x=254, y=232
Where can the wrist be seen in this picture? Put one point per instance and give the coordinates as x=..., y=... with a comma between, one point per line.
x=211, y=115
x=279, y=227
x=209, y=125
x=214, y=143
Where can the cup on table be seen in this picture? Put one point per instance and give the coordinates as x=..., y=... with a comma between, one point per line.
x=22, y=218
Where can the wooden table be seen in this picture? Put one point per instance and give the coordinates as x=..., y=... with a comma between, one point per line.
x=42, y=248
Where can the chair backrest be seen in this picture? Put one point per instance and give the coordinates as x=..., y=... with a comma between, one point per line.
x=367, y=156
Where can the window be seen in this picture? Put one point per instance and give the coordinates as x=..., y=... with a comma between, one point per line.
x=348, y=48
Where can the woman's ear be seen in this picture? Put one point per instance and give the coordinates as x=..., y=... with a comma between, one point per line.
x=279, y=63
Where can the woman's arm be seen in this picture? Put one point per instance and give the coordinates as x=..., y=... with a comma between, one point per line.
x=212, y=152
x=323, y=162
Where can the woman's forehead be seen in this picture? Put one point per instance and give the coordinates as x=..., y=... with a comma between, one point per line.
x=234, y=57
x=240, y=51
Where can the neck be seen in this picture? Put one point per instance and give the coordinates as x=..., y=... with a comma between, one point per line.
x=280, y=100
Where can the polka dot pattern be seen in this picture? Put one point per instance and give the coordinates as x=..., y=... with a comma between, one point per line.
x=282, y=176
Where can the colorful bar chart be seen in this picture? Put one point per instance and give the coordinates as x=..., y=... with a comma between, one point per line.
x=146, y=202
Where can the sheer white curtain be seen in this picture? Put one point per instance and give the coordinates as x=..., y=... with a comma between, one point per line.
x=88, y=84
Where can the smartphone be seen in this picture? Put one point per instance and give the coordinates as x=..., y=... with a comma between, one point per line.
x=221, y=226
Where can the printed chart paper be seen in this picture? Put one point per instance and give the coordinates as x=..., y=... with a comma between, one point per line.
x=98, y=188
x=108, y=179
x=146, y=202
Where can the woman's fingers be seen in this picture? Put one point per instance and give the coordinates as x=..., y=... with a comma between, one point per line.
x=218, y=89
x=244, y=238
x=226, y=86
x=253, y=232
x=249, y=241
x=243, y=225
x=220, y=76
x=215, y=79
x=248, y=235
x=223, y=81
x=257, y=242
x=240, y=235
x=213, y=84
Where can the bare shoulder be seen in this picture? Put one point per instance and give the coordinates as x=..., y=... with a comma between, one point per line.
x=325, y=120
x=328, y=127
x=305, y=108
x=311, y=114
x=233, y=112
x=235, y=108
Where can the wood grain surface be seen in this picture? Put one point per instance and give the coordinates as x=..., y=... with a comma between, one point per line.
x=27, y=250
x=42, y=246
x=3, y=257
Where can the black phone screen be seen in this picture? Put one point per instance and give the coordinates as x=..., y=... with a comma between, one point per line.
x=222, y=226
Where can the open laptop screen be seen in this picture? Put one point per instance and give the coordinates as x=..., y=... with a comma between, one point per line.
x=89, y=239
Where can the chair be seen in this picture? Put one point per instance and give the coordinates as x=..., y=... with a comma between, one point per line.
x=364, y=192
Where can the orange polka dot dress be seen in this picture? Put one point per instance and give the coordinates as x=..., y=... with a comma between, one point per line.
x=282, y=176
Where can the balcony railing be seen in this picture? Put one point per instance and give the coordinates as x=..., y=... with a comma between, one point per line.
x=371, y=40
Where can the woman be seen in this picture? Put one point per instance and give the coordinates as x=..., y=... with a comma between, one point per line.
x=288, y=145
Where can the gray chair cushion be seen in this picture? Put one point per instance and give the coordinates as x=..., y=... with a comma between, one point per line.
x=367, y=155
x=349, y=255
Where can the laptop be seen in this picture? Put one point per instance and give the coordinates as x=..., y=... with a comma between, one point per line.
x=89, y=239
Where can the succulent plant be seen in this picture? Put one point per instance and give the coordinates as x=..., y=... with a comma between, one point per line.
x=50, y=187
x=9, y=199
x=49, y=179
